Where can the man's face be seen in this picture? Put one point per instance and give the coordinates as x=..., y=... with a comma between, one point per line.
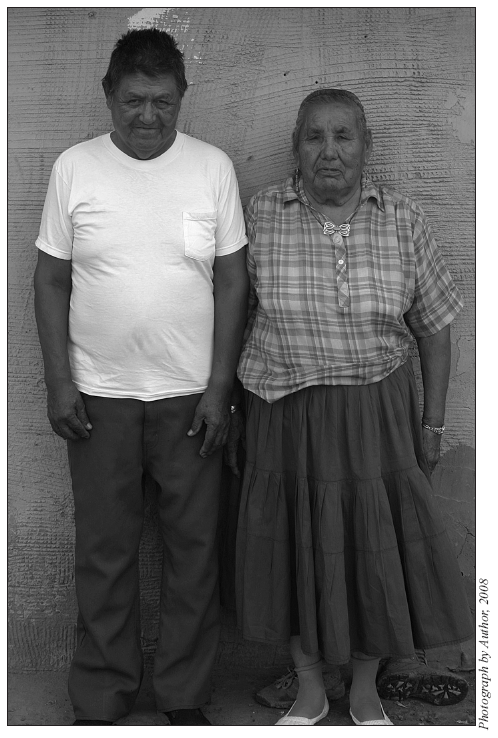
x=144, y=112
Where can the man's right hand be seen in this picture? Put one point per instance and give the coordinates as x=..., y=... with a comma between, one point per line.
x=66, y=412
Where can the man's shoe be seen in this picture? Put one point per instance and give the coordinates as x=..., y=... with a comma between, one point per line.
x=283, y=692
x=92, y=722
x=187, y=717
x=401, y=679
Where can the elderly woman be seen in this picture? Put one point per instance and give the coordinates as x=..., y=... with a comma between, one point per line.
x=341, y=549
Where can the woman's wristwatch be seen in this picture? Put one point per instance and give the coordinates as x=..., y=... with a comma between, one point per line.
x=439, y=431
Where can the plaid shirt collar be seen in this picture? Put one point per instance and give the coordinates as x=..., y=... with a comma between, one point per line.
x=368, y=189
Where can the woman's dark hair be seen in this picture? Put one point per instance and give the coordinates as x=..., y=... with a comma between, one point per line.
x=149, y=51
x=328, y=95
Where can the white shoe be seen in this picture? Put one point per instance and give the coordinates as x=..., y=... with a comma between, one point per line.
x=385, y=720
x=296, y=720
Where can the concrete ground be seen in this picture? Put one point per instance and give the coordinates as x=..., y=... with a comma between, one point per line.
x=41, y=699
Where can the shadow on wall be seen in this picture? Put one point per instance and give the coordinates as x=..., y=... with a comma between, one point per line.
x=454, y=486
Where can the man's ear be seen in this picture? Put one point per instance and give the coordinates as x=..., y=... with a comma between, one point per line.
x=108, y=101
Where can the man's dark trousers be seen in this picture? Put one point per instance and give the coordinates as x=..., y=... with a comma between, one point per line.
x=129, y=438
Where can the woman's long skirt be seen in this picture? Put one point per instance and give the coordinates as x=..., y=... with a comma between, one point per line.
x=339, y=538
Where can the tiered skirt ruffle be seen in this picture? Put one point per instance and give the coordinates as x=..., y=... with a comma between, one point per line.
x=340, y=539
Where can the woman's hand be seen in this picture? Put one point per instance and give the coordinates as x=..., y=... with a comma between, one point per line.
x=432, y=448
x=236, y=433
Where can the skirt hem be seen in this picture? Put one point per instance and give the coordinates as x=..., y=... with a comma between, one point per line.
x=417, y=647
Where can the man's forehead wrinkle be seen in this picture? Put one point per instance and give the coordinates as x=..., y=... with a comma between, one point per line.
x=140, y=93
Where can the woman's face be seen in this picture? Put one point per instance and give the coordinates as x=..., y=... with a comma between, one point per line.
x=332, y=152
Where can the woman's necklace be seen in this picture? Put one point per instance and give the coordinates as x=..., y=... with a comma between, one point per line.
x=344, y=229
x=331, y=229
x=336, y=231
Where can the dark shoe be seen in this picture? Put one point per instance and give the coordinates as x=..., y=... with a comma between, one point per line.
x=283, y=692
x=187, y=717
x=401, y=679
x=92, y=722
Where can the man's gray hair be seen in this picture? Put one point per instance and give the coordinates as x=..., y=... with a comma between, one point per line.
x=324, y=96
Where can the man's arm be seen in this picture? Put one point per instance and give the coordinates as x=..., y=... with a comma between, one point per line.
x=230, y=311
x=435, y=360
x=66, y=410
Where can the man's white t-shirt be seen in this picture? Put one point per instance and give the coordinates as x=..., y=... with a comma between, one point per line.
x=142, y=237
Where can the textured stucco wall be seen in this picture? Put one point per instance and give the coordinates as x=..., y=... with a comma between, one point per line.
x=248, y=70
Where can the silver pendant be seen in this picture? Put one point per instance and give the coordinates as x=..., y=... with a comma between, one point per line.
x=337, y=239
x=330, y=228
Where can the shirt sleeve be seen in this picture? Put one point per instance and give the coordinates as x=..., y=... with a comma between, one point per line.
x=56, y=229
x=437, y=300
x=230, y=228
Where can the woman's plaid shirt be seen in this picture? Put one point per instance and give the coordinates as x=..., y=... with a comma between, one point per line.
x=322, y=313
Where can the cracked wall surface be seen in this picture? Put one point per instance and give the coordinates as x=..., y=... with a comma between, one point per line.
x=248, y=69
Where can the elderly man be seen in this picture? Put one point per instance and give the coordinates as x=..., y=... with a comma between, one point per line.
x=141, y=293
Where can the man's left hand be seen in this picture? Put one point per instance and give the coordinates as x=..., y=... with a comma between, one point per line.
x=214, y=410
x=432, y=448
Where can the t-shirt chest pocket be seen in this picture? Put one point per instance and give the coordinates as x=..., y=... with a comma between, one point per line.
x=199, y=233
